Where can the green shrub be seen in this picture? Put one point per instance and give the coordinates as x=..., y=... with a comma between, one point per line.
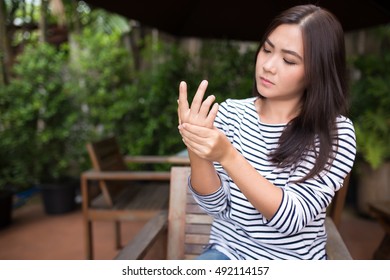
x=60, y=99
x=230, y=72
x=370, y=110
x=39, y=120
x=102, y=81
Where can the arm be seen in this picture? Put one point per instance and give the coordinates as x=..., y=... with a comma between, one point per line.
x=213, y=145
x=295, y=199
x=207, y=144
x=204, y=178
x=300, y=203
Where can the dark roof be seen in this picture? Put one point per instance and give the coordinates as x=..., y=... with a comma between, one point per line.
x=240, y=20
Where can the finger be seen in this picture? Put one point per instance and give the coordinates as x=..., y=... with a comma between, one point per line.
x=188, y=130
x=178, y=112
x=212, y=115
x=183, y=102
x=189, y=137
x=206, y=105
x=193, y=146
x=195, y=132
x=198, y=98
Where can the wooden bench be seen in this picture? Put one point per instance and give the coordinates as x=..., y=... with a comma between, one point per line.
x=184, y=229
x=112, y=192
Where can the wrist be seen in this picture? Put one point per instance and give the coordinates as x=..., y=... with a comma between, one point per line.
x=194, y=158
x=230, y=157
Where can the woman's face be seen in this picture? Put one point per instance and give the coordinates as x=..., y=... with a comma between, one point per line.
x=280, y=72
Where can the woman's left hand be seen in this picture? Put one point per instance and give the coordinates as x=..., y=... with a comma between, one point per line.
x=207, y=143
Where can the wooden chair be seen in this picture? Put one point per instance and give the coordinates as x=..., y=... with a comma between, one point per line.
x=122, y=195
x=185, y=228
x=380, y=210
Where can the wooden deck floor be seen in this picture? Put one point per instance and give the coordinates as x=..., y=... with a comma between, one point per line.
x=34, y=235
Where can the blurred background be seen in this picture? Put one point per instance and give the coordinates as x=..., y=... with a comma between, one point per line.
x=73, y=71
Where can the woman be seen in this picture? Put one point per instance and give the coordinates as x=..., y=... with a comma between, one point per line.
x=267, y=167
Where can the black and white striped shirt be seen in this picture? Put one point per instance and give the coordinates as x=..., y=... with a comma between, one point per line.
x=297, y=230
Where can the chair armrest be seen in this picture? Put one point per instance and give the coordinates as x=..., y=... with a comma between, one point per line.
x=157, y=159
x=137, y=248
x=125, y=175
x=335, y=246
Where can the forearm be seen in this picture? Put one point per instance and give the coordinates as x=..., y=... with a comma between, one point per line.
x=262, y=194
x=204, y=178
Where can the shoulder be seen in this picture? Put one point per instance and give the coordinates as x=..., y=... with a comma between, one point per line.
x=346, y=139
x=233, y=105
x=345, y=127
x=343, y=121
x=239, y=102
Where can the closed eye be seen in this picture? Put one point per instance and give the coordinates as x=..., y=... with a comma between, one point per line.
x=266, y=50
x=289, y=62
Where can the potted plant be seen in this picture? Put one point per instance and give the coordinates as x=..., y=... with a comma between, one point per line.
x=6, y=196
x=11, y=184
x=14, y=179
x=17, y=170
x=59, y=135
x=370, y=112
x=6, y=199
x=42, y=111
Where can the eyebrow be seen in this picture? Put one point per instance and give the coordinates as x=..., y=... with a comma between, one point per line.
x=284, y=50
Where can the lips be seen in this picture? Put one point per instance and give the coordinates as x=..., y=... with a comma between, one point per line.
x=266, y=82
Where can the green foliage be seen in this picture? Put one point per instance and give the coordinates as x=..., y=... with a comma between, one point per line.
x=371, y=107
x=60, y=99
x=38, y=119
x=152, y=121
x=102, y=81
x=16, y=138
x=153, y=106
x=140, y=107
x=230, y=72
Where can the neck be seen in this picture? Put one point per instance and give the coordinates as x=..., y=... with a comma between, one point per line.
x=277, y=111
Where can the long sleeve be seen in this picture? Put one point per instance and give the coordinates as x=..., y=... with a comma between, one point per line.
x=297, y=230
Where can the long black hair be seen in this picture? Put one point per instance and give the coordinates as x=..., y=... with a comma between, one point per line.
x=325, y=96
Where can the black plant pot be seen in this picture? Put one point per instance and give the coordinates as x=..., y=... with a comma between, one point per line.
x=5, y=208
x=58, y=198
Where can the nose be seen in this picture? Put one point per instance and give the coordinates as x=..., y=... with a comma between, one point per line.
x=269, y=64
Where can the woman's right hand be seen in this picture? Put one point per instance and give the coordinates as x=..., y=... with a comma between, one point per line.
x=199, y=113
x=204, y=178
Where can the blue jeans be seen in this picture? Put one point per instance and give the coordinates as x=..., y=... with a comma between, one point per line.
x=212, y=254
